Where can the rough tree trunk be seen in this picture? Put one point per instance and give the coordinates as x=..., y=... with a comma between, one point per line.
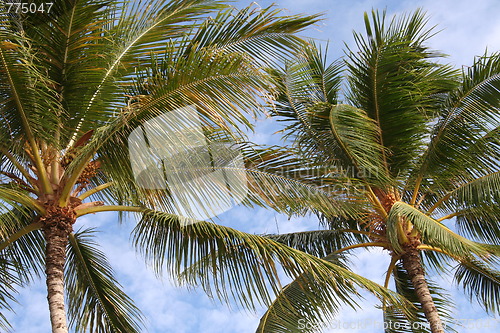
x=413, y=265
x=58, y=223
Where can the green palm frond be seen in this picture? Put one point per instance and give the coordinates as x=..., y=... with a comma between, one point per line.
x=294, y=311
x=483, y=190
x=222, y=85
x=278, y=175
x=15, y=161
x=480, y=222
x=139, y=23
x=466, y=132
x=326, y=78
x=201, y=78
x=22, y=242
x=482, y=282
x=21, y=260
x=13, y=194
x=277, y=178
x=95, y=300
x=306, y=89
x=9, y=280
x=433, y=232
x=158, y=24
x=76, y=56
x=211, y=83
x=26, y=97
x=263, y=34
x=468, y=196
x=25, y=89
x=272, y=178
x=235, y=265
x=319, y=243
x=396, y=322
x=359, y=146
x=296, y=197
x=394, y=64
x=321, y=127
x=289, y=163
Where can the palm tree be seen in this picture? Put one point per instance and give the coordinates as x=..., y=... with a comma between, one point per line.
x=415, y=146
x=77, y=76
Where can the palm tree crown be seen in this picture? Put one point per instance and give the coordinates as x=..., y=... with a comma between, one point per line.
x=75, y=81
x=412, y=144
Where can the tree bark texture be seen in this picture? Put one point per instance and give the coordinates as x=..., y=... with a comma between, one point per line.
x=413, y=266
x=58, y=224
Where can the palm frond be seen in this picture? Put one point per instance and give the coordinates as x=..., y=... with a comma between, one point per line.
x=308, y=103
x=297, y=197
x=471, y=200
x=28, y=250
x=483, y=190
x=480, y=222
x=481, y=282
x=218, y=87
x=13, y=194
x=326, y=77
x=21, y=261
x=259, y=177
x=234, y=265
x=206, y=78
x=288, y=162
x=262, y=33
x=25, y=92
x=293, y=310
x=306, y=89
x=464, y=141
x=138, y=23
x=73, y=41
x=95, y=300
x=319, y=243
x=358, y=146
x=8, y=282
x=433, y=232
x=393, y=64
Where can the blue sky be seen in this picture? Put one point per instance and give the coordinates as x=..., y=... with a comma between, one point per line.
x=468, y=28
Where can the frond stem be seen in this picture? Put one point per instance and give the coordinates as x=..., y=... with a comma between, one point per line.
x=449, y=216
x=71, y=181
x=108, y=208
x=415, y=191
x=94, y=190
x=393, y=263
x=354, y=246
x=426, y=247
x=19, y=167
x=437, y=204
x=358, y=232
x=375, y=200
x=37, y=159
x=20, y=233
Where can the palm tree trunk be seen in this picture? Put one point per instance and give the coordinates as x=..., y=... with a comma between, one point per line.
x=56, y=233
x=413, y=266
